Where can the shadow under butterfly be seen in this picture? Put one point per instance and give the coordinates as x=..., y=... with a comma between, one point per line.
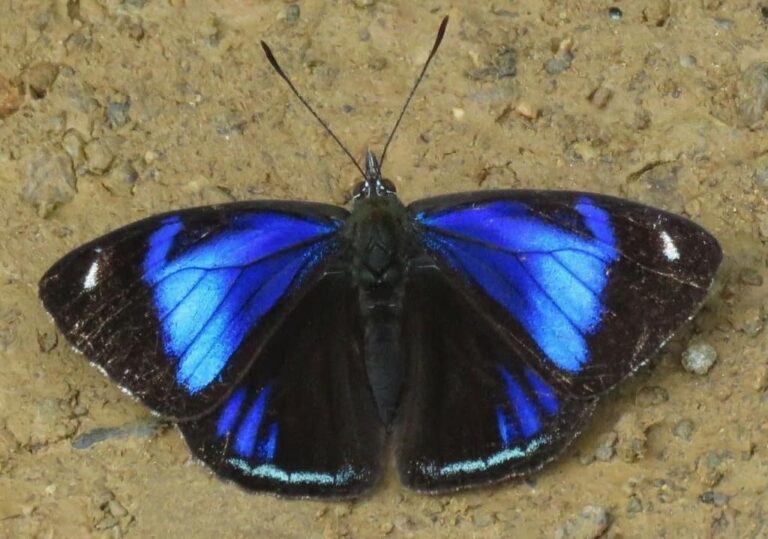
x=289, y=340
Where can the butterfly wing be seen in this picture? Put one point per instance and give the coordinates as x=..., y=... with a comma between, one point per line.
x=586, y=287
x=473, y=411
x=302, y=422
x=174, y=308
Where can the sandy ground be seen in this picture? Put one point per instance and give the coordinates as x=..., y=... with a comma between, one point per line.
x=111, y=111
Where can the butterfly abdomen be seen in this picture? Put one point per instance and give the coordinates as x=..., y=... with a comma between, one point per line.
x=381, y=308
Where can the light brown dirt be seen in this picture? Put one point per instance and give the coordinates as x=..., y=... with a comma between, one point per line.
x=665, y=106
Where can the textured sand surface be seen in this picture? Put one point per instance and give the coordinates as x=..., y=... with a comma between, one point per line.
x=111, y=111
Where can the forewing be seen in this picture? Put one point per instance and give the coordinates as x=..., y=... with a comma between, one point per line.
x=302, y=423
x=586, y=287
x=473, y=411
x=174, y=308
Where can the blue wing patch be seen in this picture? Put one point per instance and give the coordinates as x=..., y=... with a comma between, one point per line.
x=210, y=295
x=548, y=278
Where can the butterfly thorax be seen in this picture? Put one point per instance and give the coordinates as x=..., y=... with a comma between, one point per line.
x=376, y=236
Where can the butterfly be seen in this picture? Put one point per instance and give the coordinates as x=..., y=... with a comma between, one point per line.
x=293, y=341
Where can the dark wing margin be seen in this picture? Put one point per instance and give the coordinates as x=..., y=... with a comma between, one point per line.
x=586, y=287
x=302, y=422
x=175, y=308
x=472, y=412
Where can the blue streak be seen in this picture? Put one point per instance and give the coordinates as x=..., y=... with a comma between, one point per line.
x=524, y=409
x=543, y=392
x=245, y=439
x=269, y=446
x=230, y=412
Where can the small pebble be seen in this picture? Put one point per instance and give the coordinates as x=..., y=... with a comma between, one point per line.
x=505, y=62
x=592, y=522
x=718, y=499
x=50, y=181
x=527, y=110
x=708, y=469
x=141, y=429
x=11, y=98
x=615, y=13
x=116, y=508
x=39, y=78
x=228, y=123
x=47, y=340
x=292, y=13
x=559, y=63
x=688, y=61
x=458, y=113
x=760, y=175
x=364, y=3
x=721, y=23
x=117, y=111
x=432, y=507
x=683, y=429
x=656, y=12
x=606, y=448
x=109, y=521
x=98, y=156
x=751, y=321
x=74, y=144
x=698, y=358
x=641, y=119
x=502, y=65
x=762, y=226
x=601, y=96
x=633, y=442
x=121, y=179
x=753, y=94
x=761, y=379
x=658, y=185
x=651, y=396
x=634, y=505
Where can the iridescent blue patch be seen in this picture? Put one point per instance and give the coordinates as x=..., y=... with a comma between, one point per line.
x=210, y=296
x=246, y=423
x=551, y=280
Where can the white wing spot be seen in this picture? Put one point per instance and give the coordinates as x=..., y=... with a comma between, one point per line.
x=91, y=278
x=670, y=249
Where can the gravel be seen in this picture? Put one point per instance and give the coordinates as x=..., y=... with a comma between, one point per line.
x=698, y=358
x=50, y=182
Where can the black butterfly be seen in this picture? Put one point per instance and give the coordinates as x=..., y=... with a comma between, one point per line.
x=288, y=339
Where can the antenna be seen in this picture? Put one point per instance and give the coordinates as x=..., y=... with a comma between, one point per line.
x=438, y=40
x=276, y=67
x=279, y=70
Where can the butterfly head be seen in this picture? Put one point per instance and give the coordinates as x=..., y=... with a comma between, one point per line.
x=373, y=185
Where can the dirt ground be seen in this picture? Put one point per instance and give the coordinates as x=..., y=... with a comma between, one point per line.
x=111, y=111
